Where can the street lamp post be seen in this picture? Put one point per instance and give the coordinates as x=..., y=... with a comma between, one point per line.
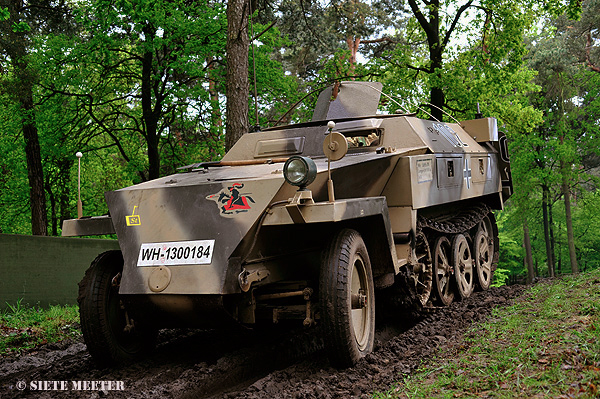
x=79, y=203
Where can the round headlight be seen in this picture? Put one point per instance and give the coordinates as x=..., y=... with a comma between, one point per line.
x=299, y=171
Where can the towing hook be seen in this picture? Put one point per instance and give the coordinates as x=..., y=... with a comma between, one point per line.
x=246, y=278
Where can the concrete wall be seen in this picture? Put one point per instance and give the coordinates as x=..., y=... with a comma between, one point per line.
x=45, y=270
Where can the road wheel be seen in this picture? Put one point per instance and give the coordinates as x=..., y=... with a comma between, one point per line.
x=423, y=269
x=443, y=271
x=483, y=251
x=463, y=266
x=110, y=335
x=347, y=299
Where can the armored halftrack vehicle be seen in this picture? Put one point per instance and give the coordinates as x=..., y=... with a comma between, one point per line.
x=304, y=222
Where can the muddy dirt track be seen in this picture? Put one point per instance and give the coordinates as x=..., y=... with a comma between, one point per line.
x=280, y=363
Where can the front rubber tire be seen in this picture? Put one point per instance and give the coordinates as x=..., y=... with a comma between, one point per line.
x=103, y=317
x=347, y=299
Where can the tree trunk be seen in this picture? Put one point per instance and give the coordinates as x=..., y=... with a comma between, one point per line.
x=216, y=120
x=64, y=197
x=53, y=204
x=565, y=169
x=437, y=98
x=559, y=261
x=149, y=113
x=552, y=237
x=237, y=72
x=431, y=28
x=549, y=255
x=153, y=153
x=215, y=110
x=35, y=173
x=569, y=219
x=528, y=255
x=353, y=43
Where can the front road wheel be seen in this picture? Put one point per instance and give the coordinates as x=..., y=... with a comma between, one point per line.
x=109, y=334
x=347, y=298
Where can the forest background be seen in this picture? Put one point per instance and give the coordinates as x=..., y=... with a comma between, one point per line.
x=142, y=87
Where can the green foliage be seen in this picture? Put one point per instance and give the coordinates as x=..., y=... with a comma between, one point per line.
x=586, y=223
x=562, y=146
x=510, y=232
x=546, y=345
x=88, y=98
x=14, y=186
x=486, y=69
x=21, y=27
x=570, y=8
x=147, y=68
x=277, y=91
x=24, y=328
x=317, y=30
x=525, y=63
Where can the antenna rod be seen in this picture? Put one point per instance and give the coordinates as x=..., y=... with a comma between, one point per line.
x=435, y=106
x=382, y=93
x=79, y=203
x=478, y=115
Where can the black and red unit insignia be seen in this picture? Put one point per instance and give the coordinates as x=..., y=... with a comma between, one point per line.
x=232, y=200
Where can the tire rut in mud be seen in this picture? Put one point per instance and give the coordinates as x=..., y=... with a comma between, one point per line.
x=391, y=359
x=278, y=363
x=185, y=364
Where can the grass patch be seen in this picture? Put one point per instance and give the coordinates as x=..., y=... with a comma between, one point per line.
x=24, y=328
x=545, y=346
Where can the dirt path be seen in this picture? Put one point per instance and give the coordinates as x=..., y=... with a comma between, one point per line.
x=244, y=364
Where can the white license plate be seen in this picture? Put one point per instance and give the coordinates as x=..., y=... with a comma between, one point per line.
x=176, y=253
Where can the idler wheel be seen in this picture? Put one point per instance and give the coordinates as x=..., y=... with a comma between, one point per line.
x=463, y=266
x=423, y=269
x=443, y=271
x=347, y=299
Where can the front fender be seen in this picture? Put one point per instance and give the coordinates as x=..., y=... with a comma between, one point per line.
x=370, y=216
